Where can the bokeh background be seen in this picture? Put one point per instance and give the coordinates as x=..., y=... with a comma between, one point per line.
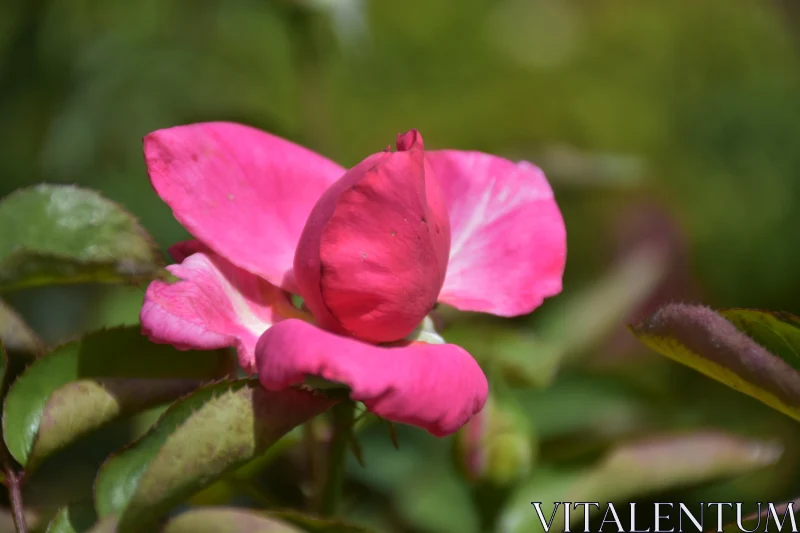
x=668, y=130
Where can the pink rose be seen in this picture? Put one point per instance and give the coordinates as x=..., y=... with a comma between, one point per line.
x=370, y=250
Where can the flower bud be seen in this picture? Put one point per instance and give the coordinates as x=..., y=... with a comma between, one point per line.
x=373, y=254
x=496, y=446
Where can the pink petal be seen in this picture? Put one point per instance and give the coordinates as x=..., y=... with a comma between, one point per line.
x=434, y=386
x=216, y=305
x=181, y=250
x=509, y=244
x=373, y=254
x=243, y=192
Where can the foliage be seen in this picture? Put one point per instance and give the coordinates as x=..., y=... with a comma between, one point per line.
x=732, y=346
x=62, y=234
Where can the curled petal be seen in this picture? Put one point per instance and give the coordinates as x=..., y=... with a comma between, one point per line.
x=214, y=305
x=434, y=386
x=243, y=192
x=181, y=250
x=373, y=255
x=509, y=244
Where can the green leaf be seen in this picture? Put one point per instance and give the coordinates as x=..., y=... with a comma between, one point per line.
x=105, y=525
x=314, y=524
x=211, y=432
x=74, y=518
x=16, y=335
x=5, y=373
x=226, y=520
x=634, y=470
x=233, y=520
x=65, y=234
x=704, y=340
x=3, y=369
x=777, y=331
x=84, y=384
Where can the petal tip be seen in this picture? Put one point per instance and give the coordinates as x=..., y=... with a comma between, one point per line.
x=409, y=140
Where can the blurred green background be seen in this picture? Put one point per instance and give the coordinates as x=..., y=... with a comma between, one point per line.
x=668, y=130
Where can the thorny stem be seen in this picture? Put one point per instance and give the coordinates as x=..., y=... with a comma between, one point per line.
x=343, y=416
x=14, y=482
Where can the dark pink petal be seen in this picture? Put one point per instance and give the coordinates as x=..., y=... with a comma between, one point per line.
x=509, y=243
x=373, y=255
x=434, y=386
x=215, y=305
x=181, y=250
x=243, y=192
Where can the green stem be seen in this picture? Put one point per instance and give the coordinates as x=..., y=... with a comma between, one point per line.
x=343, y=416
x=314, y=461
